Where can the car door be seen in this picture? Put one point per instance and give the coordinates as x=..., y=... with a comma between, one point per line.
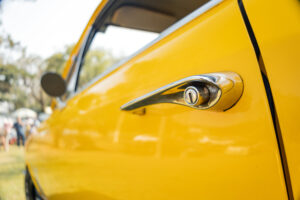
x=166, y=150
x=277, y=32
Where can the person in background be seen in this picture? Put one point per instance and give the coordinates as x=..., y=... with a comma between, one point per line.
x=34, y=126
x=2, y=136
x=18, y=125
x=7, y=129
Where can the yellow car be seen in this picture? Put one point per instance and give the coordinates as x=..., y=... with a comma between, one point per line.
x=175, y=99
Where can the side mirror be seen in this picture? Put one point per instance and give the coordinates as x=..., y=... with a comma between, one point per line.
x=53, y=84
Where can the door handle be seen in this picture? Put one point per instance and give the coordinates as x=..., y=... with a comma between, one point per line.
x=215, y=91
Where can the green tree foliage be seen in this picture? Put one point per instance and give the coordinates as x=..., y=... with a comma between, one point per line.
x=20, y=78
x=20, y=74
x=95, y=62
x=19, y=84
x=56, y=62
x=9, y=71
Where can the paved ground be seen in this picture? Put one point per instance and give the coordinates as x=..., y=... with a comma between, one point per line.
x=12, y=174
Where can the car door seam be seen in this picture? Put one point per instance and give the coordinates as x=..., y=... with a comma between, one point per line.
x=270, y=101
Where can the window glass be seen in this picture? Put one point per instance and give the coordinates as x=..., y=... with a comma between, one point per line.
x=110, y=47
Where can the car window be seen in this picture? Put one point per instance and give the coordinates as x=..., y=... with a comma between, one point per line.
x=108, y=48
x=124, y=28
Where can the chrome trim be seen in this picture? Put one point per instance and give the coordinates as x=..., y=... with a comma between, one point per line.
x=60, y=104
x=196, y=95
x=196, y=13
x=216, y=91
x=74, y=76
x=71, y=84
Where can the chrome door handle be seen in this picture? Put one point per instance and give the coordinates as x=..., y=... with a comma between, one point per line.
x=215, y=91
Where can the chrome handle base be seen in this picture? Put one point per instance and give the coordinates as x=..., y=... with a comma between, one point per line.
x=215, y=91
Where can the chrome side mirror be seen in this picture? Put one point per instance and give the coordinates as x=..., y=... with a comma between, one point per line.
x=53, y=84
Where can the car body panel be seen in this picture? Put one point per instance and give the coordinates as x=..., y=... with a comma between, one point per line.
x=92, y=149
x=277, y=30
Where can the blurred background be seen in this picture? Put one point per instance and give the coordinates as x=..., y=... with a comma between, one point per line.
x=35, y=36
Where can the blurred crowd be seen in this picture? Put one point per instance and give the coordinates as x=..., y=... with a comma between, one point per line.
x=15, y=131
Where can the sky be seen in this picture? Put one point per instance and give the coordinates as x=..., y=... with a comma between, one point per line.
x=46, y=26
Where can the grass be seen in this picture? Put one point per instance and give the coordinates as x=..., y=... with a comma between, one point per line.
x=12, y=174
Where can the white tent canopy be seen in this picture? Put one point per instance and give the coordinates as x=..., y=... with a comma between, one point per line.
x=24, y=113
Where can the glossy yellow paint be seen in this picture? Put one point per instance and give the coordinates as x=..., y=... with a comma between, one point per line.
x=92, y=150
x=277, y=29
